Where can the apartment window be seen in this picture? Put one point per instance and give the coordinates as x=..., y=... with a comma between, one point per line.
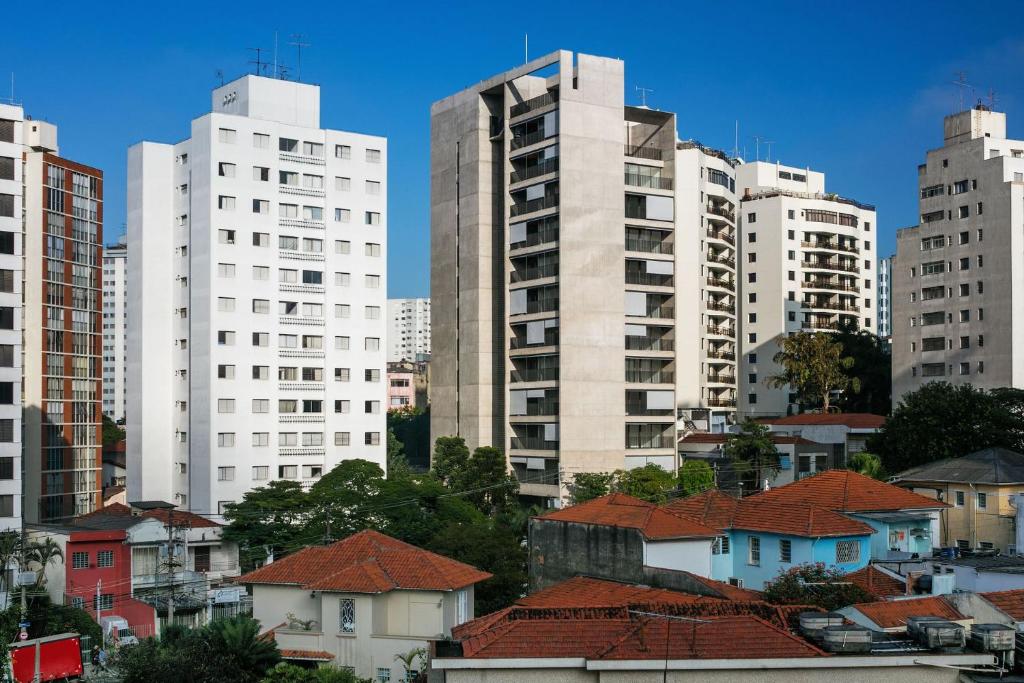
x=754, y=549
x=371, y=407
x=313, y=149
x=785, y=550
x=312, y=213
x=261, y=174
x=752, y=337
x=261, y=339
x=342, y=247
x=751, y=218
x=261, y=372
x=226, y=440
x=6, y=430
x=260, y=439
x=288, y=178
x=287, y=406
x=260, y=473
x=288, y=439
x=261, y=306
x=965, y=368
x=260, y=141
x=225, y=269
x=342, y=184
x=372, y=249
x=312, y=277
x=372, y=187
x=312, y=439
x=225, y=338
x=288, y=471
x=342, y=215
x=847, y=551
x=373, y=156
x=342, y=310
x=752, y=257
x=288, y=341
x=372, y=281
x=227, y=136
x=933, y=369
x=341, y=343
x=312, y=310
x=312, y=245
x=312, y=406
x=6, y=471
x=965, y=263
x=225, y=304
x=260, y=206
x=371, y=375
x=342, y=374
x=225, y=203
x=963, y=212
x=287, y=145
x=372, y=312
x=965, y=316
x=225, y=405
x=312, y=374
x=342, y=438
x=260, y=405
x=225, y=170
x=310, y=341
x=372, y=344
x=287, y=275
x=371, y=438
x=225, y=474
x=342, y=152
x=372, y=218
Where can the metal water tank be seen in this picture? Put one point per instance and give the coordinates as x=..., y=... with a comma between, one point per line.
x=846, y=638
x=811, y=623
x=992, y=637
x=940, y=634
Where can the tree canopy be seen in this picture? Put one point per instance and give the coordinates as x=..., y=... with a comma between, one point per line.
x=814, y=584
x=942, y=420
x=814, y=366
x=752, y=454
x=695, y=476
x=872, y=367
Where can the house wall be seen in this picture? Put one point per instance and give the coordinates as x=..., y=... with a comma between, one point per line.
x=562, y=550
x=904, y=540
x=684, y=555
x=979, y=608
x=992, y=524
x=802, y=550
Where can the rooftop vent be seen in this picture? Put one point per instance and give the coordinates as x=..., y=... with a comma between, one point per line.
x=934, y=633
x=846, y=638
x=992, y=637
x=812, y=623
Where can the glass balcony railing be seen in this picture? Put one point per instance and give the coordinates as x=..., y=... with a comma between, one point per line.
x=649, y=182
x=539, y=204
x=648, y=246
x=533, y=443
x=535, y=374
x=543, y=168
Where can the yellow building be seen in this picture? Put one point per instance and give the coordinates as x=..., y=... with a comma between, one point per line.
x=979, y=487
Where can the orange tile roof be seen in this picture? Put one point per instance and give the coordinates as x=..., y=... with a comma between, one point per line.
x=848, y=491
x=877, y=582
x=181, y=517
x=894, y=613
x=627, y=512
x=585, y=591
x=726, y=590
x=851, y=420
x=701, y=437
x=367, y=562
x=1010, y=603
x=318, y=655
x=722, y=511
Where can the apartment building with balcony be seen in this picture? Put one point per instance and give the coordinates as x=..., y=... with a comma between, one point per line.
x=958, y=280
x=545, y=186
x=408, y=330
x=258, y=337
x=885, y=266
x=807, y=262
x=115, y=329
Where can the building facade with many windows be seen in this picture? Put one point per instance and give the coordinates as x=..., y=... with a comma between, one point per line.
x=257, y=345
x=115, y=329
x=885, y=296
x=408, y=330
x=958, y=280
x=807, y=262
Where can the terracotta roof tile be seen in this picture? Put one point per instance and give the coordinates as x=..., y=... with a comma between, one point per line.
x=1009, y=602
x=851, y=420
x=318, y=655
x=701, y=437
x=627, y=512
x=848, y=491
x=585, y=591
x=180, y=518
x=722, y=511
x=894, y=613
x=367, y=562
x=726, y=590
x=877, y=582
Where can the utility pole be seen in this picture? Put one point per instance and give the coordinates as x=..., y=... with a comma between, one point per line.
x=170, y=566
x=99, y=608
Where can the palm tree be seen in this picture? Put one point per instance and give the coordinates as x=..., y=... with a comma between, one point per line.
x=408, y=661
x=43, y=553
x=237, y=640
x=10, y=550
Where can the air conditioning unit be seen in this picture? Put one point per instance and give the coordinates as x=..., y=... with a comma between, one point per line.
x=733, y=581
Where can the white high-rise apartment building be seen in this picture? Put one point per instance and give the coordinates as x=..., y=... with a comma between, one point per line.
x=807, y=262
x=408, y=330
x=885, y=296
x=958, y=280
x=11, y=273
x=257, y=252
x=115, y=329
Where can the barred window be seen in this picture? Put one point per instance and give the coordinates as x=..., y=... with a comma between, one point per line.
x=79, y=560
x=847, y=551
x=754, y=550
x=105, y=558
x=347, y=615
x=785, y=550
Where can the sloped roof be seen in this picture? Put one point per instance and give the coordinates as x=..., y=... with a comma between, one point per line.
x=703, y=437
x=722, y=511
x=851, y=420
x=848, y=491
x=585, y=591
x=627, y=512
x=367, y=562
x=877, y=582
x=619, y=634
x=894, y=613
x=1010, y=603
x=988, y=466
x=108, y=515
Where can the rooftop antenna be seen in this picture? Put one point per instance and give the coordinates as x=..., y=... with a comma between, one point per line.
x=219, y=74
x=961, y=83
x=991, y=98
x=757, y=147
x=260, y=64
x=736, y=141
x=643, y=95
x=275, y=54
x=297, y=43
x=769, y=143
x=526, y=48
x=12, y=87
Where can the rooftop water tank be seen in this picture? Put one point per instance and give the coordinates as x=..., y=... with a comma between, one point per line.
x=846, y=638
x=992, y=637
x=940, y=634
x=811, y=623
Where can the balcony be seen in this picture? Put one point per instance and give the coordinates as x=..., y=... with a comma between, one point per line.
x=541, y=305
x=527, y=139
x=721, y=402
x=826, y=244
x=825, y=284
x=724, y=260
x=549, y=374
x=649, y=182
x=818, y=325
x=529, y=105
x=550, y=339
x=723, y=212
x=721, y=282
x=650, y=279
x=722, y=308
x=534, y=272
x=660, y=312
x=830, y=306
x=723, y=330
x=539, y=204
x=640, y=152
x=533, y=443
x=544, y=235
x=645, y=376
x=831, y=265
x=649, y=344
x=534, y=407
x=721, y=355
x=723, y=235
x=638, y=408
x=648, y=246
x=543, y=168
x=721, y=377
x=641, y=441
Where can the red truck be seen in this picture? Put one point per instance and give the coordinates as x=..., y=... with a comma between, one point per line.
x=53, y=657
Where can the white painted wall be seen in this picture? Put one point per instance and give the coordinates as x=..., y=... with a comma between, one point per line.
x=692, y=555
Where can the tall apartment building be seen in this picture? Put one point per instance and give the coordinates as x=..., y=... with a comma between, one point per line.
x=256, y=262
x=62, y=330
x=573, y=240
x=884, y=296
x=408, y=330
x=115, y=329
x=807, y=262
x=11, y=284
x=958, y=281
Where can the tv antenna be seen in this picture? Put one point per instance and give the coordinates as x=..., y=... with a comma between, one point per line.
x=769, y=143
x=757, y=146
x=643, y=94
x=296, y=42
x=219, y=73
x=261, y=66
x=526, y=48
x=962, y=84
x=991, y=99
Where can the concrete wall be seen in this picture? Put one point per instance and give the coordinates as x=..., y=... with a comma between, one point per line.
x=562, y=550
x=683, y=555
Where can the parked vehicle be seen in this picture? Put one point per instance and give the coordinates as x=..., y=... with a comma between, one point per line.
x=50, y=658
x=116, y=631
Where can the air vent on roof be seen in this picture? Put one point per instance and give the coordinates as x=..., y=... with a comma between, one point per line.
x=812, y=623
x=992, y=637
x=846, y=638
x=934, y=633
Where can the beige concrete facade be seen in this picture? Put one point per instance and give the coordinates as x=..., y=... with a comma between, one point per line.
x=958, y=277
x=974, y=521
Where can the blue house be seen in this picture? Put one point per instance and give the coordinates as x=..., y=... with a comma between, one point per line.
x=761, y=538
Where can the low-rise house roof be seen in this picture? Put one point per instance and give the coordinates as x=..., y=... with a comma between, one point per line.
x=889, y=614
x=851, y=420
x=117, y=515
x=987, y=466
x=586, y=591
x=780, y=439
x=848, y=491
x=367, y=562
x=877, y=582
x=722, y=511
x=1010, y=603
x=627, y=512
x=1001, y=564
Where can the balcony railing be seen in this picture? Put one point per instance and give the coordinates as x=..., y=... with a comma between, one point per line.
x=724, y=308
x=550, y=339
x=723, y=212
x=825, y=244
x=721, y=355
x=660, y=312
x=830, y=306
x=520, y=141
x=721, y=235
x=541, y=407
x=533, y=103
x=720, y=282
x=538, y=204
x=640, y=409
x=650, y=376
x=648, y=246
x=535, y=375
x=542, y=236
x=534, y=272
x=721, y=330
x=721, y=403
x=829, y=265
x=823, y=284
x=542, y=305
x=721, y=378
x=724, y=260
x=543, y=168
x=649, y=182
x=533, y=443
x=649, y=344
x=812, y=325
x=651, y=279
x=643, y=152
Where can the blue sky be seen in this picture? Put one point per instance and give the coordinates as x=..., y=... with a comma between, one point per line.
x=855, y=89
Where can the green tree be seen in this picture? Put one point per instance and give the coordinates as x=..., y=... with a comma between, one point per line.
x=451, y=456
x=409, y=659
x=289, y=673
x=814, y=584
x=752, y=454
x=398, y=466
x=872, y=366
x=269, y=520
x=487, y=481
x=10, y=551
x=42, y=553
x=941, y=420
x=695, y=476
x=814, y=365
x=342, y=500
x=868, y=464
x=589, y=485
x=651, y=482
x=237, y=641
x=493, y=547
x=111, y=432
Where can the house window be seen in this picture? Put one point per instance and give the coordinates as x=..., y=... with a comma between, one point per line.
x=785, y=550
x=347, y=615
x=959, y=498
x=104, y=601
x=79, y=560
x=754, y=551
x=78, y=602
x=720, y=546
x=847, y=551
x=982, y=500
x=383, y=675
x=105, y=558
x=963, y=545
